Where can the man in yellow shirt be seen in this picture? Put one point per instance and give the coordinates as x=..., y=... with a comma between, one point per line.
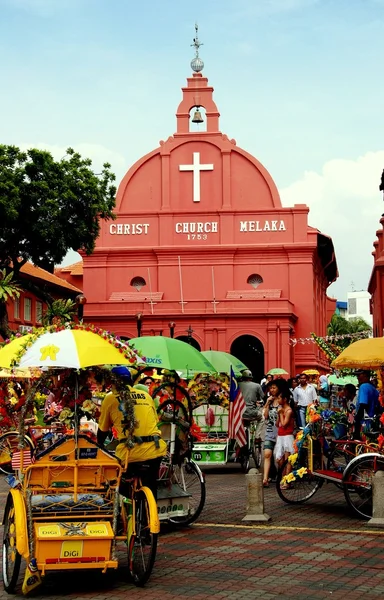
x=145, y=456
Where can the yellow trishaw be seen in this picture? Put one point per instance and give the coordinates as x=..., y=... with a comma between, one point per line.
x=64, y=510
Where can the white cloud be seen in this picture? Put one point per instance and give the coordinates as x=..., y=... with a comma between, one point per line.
x=345, y=203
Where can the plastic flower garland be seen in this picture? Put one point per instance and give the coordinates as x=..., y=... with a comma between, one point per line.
x=209, y=389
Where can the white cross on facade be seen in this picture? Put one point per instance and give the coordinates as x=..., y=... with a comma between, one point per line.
x=196, y=167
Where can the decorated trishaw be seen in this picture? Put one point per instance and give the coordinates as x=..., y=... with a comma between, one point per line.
x=181, y=485
x=349, y=463
x=64, y=510
x=197, y=392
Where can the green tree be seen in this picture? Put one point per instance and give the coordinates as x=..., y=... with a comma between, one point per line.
x=339, y=326
x=59, y=311
x=48, y=207
x=9, y=289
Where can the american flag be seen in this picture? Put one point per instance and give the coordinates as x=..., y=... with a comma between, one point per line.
x=236, y=429
x=27, y=459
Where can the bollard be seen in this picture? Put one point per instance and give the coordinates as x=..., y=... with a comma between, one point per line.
x=255, y=497
x=377, y=500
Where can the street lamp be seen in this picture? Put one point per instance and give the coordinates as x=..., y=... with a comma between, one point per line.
x=80, y=301
x=139, y=323
x=189, y=332
x=171, y=326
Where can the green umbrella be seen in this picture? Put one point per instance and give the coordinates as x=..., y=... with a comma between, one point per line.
x=277, y=371
x=223, y=361
x=342, y=380
x=166, y=353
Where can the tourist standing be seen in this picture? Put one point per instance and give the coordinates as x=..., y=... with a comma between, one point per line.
x=324, y=392
x=367, y=404
x=304, y=395
x=253, y=396
x=275, y=387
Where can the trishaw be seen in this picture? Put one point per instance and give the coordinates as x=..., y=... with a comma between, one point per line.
x=181, y=485
x=207, y=398
x=65, y=510
x=350, y=464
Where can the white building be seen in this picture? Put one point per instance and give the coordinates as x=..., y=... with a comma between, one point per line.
x=359, y=306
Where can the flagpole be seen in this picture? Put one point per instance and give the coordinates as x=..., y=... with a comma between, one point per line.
x=181, y=286
x=150, y=290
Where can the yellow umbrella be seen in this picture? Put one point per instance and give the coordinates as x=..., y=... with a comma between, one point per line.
x=363, y=354
x=311, y=372
x=75, y=348
x=9, y=351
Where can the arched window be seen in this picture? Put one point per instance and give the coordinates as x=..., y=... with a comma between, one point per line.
x=254, y=280
x=138, y=283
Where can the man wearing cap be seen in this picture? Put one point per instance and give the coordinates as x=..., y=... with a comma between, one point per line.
x=149, y=447
x=367, y=400
x=304, y=395
x=253, y=396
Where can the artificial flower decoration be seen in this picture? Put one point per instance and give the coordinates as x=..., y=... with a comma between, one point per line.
x=301, y=472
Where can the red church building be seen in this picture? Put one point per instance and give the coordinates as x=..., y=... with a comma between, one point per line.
x=202, y=248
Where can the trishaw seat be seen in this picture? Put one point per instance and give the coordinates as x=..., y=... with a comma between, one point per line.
x=46, y=503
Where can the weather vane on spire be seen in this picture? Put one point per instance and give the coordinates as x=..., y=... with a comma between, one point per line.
x=197, y=64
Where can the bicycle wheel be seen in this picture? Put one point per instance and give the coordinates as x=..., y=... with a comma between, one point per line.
x=244, y=459
x=191, y=480
x=256, y=449
x=9, y=443
x=11, y=557
x=357, y=480
x=297, y=491
x=143, y=543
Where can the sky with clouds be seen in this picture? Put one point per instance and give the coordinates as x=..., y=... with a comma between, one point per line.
x=299, y=84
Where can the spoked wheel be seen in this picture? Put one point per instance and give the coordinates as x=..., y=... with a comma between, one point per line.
x=11, y=557
x=244, y=459
x=338, y=459
x=297, y=491
x=357, y=480
x=9, y=443
x=257, y=452
x=191, y=480
x=143, y=543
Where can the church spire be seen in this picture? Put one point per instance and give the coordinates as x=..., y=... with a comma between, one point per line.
x=197, y=64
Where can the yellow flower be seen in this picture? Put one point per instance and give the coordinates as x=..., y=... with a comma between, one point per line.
x=290, y=477
x=299, y=435
x=292, y=458
x=301, y=472
x=284, y=480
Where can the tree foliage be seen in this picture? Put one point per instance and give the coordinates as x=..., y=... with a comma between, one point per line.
x=48, y=207
x=8, y=287
x=59, y=312
x=339, y=326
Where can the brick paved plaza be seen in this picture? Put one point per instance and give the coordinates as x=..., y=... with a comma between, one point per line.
x=317, y=550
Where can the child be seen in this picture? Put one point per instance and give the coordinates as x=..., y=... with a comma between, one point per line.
x=285, y=426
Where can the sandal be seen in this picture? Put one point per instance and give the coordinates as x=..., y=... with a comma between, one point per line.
x=286, y=486
x=265, y=483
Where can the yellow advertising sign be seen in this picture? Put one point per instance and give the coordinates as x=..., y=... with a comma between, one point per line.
x=73, y=549
x=96, y=530
x=49, y=531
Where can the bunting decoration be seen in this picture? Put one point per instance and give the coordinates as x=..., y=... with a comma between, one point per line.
x=331, y=338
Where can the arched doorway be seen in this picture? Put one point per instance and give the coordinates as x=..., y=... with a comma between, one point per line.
x=189, y=340
x=250, y=351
